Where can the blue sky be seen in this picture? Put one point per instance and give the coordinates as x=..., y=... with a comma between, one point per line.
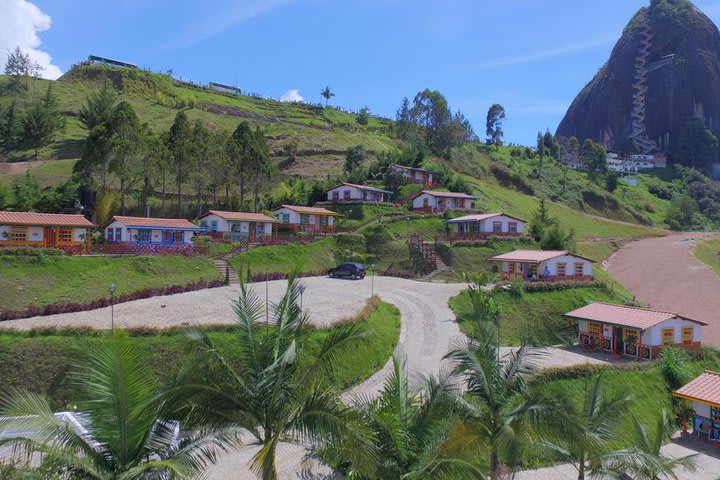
x=531, y=56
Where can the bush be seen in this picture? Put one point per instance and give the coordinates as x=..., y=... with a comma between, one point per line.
x=31, y=251
x=562, y=285
x=59, y=308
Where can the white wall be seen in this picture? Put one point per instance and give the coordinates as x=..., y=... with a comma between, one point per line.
x=295, y=217
x=701, y=409
x=355, y=193
x=655, y=337
x=569, y=261
x=34, y=234
x=79, y=234
x=487, y=224
x=418, y=202
x=156, y=235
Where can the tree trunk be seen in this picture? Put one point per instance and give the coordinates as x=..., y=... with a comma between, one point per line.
x=179, y=192
x=162, y=204
x=494, y=463
x=146, y=189
x=581, y=468
x=122, y=195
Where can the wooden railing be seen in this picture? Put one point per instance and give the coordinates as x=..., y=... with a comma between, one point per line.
x=147, y=249
x=426, y=249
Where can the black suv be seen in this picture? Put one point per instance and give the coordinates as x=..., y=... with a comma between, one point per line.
x=352, y=270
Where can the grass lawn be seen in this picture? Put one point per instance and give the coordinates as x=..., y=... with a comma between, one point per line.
x=708, y=252
x=536, y=315
x=40, y=362
x=315, y=257
x=42, y=280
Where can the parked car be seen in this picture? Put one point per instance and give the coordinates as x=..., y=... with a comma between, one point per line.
x=352, y=270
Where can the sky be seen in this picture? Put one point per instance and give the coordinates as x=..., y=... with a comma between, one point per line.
x=532, y=57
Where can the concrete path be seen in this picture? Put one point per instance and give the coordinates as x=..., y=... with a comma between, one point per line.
x=707, y=462
x=664, y=274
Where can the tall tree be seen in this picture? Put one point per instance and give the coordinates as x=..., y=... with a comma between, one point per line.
x=441, y=130
x=180, y=147
x=241, y=151
x=404, y=121
x=154, y=159
x=20, y=67
x=269, y=393
x=202, y=162
x=497, y=411
x=698, y=146
x=10, y=128
x=354, y=157
x=42, y=121
x=594, y=157
x=494, y=123
x=262, y=166
x=327, y=94
x=99, y=107
x=127, y=433
x=126, y=149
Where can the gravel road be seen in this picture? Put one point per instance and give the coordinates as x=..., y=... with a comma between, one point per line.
x=664, y=274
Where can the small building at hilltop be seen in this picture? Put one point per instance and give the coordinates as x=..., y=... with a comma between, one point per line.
x=305, y=219
x=108, y=62
x=46, y=230
x=544, y=265
x=221, y=87
x=439, y=202
x=486, y=224
x=164, y=232
x=635, y=332
x=236, y=226
x=703, y=394
x=349, y=192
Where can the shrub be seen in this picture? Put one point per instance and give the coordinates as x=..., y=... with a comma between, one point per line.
x=32, y=251
x=562, y=285
x=673, y=364
x=516, y=288
x=59, y=308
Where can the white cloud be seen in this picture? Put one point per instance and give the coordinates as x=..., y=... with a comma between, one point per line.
x=21, y=23
x=543, y=54
x=291, y=96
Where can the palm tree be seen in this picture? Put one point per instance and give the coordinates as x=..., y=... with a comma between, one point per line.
x=583, y=434
x=644, y=458
x=123, y=433
x=275, y=392
x=412, y=429
x=327, y=94
x=497, y=410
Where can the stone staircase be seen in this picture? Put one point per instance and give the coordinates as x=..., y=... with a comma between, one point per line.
x=639, y=135
x=223, y=266
x=440, y=267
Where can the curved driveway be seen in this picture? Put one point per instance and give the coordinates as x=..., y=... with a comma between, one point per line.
x=664, y=274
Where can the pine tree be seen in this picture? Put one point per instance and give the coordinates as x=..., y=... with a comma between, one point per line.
x=180, y=146
x=42, y=121
x=10, y=128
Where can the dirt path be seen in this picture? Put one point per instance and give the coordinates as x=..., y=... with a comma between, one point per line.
x=664, y=274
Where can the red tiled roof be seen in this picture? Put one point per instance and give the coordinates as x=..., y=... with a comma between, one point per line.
x=480, y=217
x=154, y=222
x=44, y=219
x=240, y=216
x=310, y=210
x=634, y=317
x=705, y=388
x=435, y=193
x=534, y=256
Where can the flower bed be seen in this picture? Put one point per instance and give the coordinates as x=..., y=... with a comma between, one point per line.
x=57, y=308
x=560, y=285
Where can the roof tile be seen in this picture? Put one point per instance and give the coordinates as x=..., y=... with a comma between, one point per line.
x=705, y=388
x=310, y=210
x=154, y=222
x=532, y=256
x=44, y=219
x=634, y=317
x=241, y=216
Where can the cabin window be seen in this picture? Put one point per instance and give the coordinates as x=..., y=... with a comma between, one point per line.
x=346, y=194
x=335, y=195
x=259, y=228
x=66, y=235
x=18, y=234
x=511, y=267
x=715, y=414
x=630, y=336
x=533, y=270
x=285, y=217
x=579, y=268
x=144, y=236
x=177, y=236
x=213, y=226
x=304, y=219
x=110, y=235
x=512, y=227
x=595, y=328
x=203, y=225
x=324, y=220
x=687, y=335
x=118, y=234
x=668, y=336
x=561, y=269
x=497, y=227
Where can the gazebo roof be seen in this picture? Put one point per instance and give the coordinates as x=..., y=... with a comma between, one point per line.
x=704, y=389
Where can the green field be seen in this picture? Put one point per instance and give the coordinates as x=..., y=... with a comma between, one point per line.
x=315, y=257
x=41, y=280
x=536, y=316
x=39, y=361
x=708, y=252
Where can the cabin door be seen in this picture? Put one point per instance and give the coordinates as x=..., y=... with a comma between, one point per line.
x=50, y=236
x=619, y=347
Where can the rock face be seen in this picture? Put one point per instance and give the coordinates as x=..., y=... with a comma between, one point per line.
x=663, y=72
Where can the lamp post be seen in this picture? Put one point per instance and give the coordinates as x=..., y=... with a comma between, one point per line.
x=407, y=219
x=112, y=306
x=372, y=280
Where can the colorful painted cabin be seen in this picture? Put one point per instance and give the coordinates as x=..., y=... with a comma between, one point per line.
x=545, y=266
x=703, y=394
x=349, y=192
x=486, y=224
x=418, y=176
x=305, y=219
x=439, y=202
x=164, y=232
x=635, y=332
x=48, y=230
x=236, y=226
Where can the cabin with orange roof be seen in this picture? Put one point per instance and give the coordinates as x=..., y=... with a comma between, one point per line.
x=439, y=202
x=160, y=232
x=68, y=232
x=703, y=395
x=236, y=226
x=544, y=266
x=305, y=219
x=352, y=193
x=634, y=331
